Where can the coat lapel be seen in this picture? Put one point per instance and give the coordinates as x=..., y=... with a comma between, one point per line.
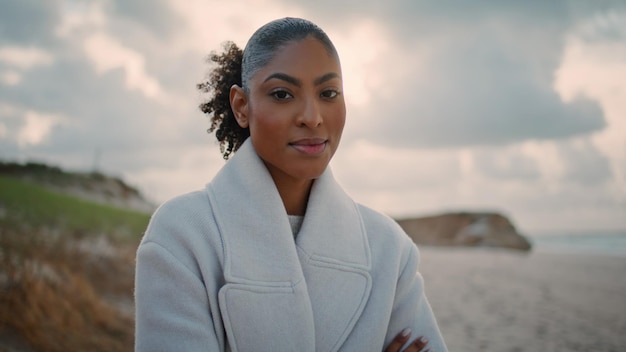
x=335, y=258
x=282, y=295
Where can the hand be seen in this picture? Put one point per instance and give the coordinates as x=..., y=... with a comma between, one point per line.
x=418, y=345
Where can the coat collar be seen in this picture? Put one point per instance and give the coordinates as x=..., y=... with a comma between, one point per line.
x=254, y=223
x=259, y=249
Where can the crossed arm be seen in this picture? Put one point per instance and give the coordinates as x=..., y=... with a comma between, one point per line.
x=418, y=345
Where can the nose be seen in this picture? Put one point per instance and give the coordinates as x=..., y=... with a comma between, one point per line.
x=311, y=115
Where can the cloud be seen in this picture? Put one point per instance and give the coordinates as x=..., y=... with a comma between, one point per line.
x=553, y=163
x=547, y=185
x=605, y=26
x=596, y=66
x=506, y=165
x=10, y=77
x=24, y=58
x=584, y=164
x=156, y=16
x=511, y=105
x=101, y=113
x=489, y=101
x=410, y=168
x=107, y=54
x=28, y=22
x=37, y=127
x=476, y=78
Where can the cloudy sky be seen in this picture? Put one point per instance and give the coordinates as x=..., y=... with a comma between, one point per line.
x=512, y=106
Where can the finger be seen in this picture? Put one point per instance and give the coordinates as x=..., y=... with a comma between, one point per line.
x=419, y=344
x=399, y=341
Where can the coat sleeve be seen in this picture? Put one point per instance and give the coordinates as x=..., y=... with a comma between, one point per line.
x=411, y=308
x=172, y=308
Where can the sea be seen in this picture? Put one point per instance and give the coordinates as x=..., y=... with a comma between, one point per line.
x=604, y=243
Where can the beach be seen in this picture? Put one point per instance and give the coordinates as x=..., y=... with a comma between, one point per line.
x=502, y=300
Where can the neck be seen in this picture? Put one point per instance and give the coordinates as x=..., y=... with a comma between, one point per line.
x=295, y=196
x=293, y=192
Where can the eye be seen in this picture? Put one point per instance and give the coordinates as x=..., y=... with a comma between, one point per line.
x=329, y=94
x=281, y=95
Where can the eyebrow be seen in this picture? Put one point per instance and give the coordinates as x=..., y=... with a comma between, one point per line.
x=296, y=82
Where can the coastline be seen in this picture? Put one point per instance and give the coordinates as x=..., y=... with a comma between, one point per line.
x=599, y=242
x=488, y=299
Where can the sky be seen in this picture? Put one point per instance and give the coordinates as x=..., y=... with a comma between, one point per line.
x=517, y=107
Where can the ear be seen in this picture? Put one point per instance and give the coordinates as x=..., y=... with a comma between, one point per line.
x=239, y=105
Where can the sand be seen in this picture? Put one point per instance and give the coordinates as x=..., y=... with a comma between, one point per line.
x=500, y=300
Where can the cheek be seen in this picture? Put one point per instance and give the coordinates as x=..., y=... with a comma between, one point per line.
x=339, y=118
x=265, y=123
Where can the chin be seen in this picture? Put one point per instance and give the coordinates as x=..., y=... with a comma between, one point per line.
x=311, y=173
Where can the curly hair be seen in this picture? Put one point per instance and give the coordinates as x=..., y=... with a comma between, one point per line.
x=227, y=73
x=237, y=67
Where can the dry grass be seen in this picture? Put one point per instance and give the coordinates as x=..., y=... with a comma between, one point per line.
x=66, y=292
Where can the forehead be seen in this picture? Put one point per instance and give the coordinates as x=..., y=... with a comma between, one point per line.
x=306, y=57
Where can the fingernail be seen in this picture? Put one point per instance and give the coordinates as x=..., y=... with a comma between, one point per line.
x=425, y=340
x=406, y=332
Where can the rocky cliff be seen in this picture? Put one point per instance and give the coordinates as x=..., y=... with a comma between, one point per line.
x=465, y=229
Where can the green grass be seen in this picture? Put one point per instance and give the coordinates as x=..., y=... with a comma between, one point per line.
x=27, y=204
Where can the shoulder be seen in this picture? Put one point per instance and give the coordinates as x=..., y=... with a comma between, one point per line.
x=384, y=233
x=183, y=225
x=184, y=211
x=186, y=205
x=377, y=222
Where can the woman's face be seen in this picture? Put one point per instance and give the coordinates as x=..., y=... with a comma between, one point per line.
x=295, y=110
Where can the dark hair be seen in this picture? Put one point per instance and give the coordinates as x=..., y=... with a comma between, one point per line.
x=237, y=67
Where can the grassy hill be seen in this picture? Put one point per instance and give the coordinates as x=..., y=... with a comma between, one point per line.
x=91, y=186
x=66, y=270
x=27, y=204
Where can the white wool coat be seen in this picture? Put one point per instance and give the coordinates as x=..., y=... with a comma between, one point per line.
x=219, y=270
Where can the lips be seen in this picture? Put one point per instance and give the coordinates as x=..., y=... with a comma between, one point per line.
x=310, y=146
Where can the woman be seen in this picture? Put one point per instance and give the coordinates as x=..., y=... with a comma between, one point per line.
x=273, y=255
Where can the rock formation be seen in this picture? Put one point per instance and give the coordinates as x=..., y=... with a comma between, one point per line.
x=465, y=229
